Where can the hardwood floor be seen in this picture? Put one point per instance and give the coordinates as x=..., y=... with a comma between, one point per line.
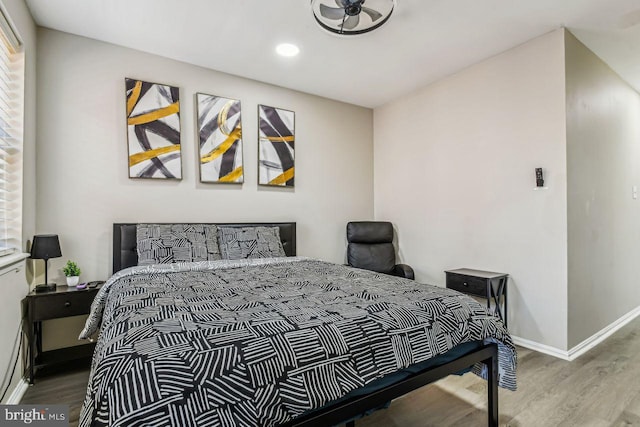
x=66, y=388
x=601, y=388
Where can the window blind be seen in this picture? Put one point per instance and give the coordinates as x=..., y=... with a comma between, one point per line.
x=11, y=131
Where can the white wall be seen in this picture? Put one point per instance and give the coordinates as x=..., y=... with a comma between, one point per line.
x=454, y=171
x=603, y=164
x=83, y=184
x=14, y=285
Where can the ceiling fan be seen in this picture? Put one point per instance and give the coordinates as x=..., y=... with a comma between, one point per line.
x=350, y=17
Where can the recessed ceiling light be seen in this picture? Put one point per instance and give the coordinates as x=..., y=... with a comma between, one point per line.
x=287, y=49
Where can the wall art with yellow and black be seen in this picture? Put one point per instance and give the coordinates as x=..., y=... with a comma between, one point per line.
x=220, y=139
x=153, y=130
x=276, y=146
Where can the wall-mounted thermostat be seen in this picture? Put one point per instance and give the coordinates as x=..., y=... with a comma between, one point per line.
x=539, y=178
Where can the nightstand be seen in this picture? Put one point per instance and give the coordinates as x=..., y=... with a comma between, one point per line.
x=65, y=301
x=483, y=284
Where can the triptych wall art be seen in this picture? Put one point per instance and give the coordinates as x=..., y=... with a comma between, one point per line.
x=220, y=139
x=153, y=124
x=276, y=146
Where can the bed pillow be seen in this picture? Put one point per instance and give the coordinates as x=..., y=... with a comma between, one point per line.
x=250, y=242
x=171, y=243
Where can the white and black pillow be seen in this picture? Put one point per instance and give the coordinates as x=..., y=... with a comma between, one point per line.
x=250, y=242
x=171, y=243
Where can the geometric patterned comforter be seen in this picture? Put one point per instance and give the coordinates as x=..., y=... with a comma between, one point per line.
x=260, y=342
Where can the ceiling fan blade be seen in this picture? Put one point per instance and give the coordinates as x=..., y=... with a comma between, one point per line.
x=331, y=12
x=373, y=14
x=351, y=22
x=342, y=3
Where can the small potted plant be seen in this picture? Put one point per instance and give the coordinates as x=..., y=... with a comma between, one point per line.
x=72, y=271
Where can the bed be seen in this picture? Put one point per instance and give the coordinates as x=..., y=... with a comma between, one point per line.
x=275, y=341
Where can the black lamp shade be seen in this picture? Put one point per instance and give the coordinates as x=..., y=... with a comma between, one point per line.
x=45, y=246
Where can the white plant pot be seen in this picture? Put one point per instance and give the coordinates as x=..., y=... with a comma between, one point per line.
x=72, y=280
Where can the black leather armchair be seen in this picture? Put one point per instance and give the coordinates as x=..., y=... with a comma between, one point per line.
x=371, y=248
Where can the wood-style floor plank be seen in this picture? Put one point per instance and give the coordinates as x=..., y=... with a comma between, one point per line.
x=66, y=388
x=601, y=388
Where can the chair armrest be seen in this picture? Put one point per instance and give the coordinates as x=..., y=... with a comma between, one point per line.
x=403, y=270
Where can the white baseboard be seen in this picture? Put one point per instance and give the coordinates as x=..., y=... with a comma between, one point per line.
x=16, y=395
x=541, y=348
x=585, y=345
x=603, y=334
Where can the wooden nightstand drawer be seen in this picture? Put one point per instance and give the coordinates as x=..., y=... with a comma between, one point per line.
x=467, y=284
x=485, y=284
x=62, y=302
x=62, y=305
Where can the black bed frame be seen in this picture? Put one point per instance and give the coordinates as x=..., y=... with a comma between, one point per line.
x=352, y=408
x=125, y=255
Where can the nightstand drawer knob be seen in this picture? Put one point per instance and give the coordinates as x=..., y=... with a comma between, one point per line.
x=67, y=304
x=465, y=284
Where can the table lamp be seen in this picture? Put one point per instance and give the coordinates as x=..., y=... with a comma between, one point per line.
x=45, y=246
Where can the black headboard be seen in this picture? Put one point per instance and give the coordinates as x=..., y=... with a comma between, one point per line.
x=125, y=252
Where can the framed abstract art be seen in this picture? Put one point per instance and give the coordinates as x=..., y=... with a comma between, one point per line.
x=220, y=139
x=276, y=146
x=153, y=130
